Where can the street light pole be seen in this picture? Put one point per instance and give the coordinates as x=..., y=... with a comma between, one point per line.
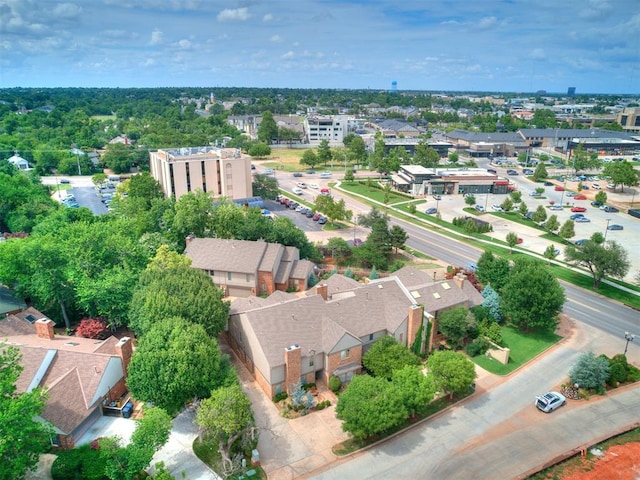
x=629, y=338
x=606, y=229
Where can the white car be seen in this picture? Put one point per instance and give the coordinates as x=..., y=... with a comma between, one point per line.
x=550, y=401
x=325, y=175
x=301, y=185
x=297, y=191
x=314, y=185
x=595, y=186
x=555, y=207
x=496, y=208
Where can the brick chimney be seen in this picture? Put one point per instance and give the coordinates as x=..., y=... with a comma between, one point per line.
x=124, y=350
x=44, y=328
x=292, y=366
x=459, y=279
x=323, y=290
x=414, y=321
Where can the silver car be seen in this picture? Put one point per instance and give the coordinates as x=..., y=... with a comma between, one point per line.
x=550, y=401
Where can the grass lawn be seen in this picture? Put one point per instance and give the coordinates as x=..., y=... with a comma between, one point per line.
x=523, y=347
x=374, y=193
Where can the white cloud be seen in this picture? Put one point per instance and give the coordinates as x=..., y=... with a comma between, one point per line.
x=156, y=37
x=276, y=39
x=595, y=10
x=487, y=22
x=288, y=55
x=184, y=44
x=233, y=14
x=67, y=10
x=268, y=17
x=537, y=54
x=149, y=62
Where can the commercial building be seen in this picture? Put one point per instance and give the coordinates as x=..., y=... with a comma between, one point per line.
x=218, y=171
x=418, y=180
x=331, y=128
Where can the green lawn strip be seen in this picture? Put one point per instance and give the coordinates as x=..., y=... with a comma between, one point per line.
x=374, y=193
x=207, y=451
x=351, y=445
x=576, y=461
x=523, y=347
x=605, y=290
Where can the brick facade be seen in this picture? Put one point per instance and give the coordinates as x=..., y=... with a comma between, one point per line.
x=44, y=328
x=416, y=313
x=334, y=361
x=266, y=279
x=293, y=366
x=124, y=350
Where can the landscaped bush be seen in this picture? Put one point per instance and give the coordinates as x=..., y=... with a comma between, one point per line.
x=322, y=405
x=478, y=347
x=82, y=463
x=490, y=329
x=279, y=397
x=335, y=384
x=91, y=328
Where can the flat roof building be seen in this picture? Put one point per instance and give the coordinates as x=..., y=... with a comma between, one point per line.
x=218, y=171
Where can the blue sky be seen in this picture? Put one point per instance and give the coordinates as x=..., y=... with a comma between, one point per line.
x=477, y=45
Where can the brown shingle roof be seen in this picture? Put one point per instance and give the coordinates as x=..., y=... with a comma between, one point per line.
x=335, y=284
x=226, y=255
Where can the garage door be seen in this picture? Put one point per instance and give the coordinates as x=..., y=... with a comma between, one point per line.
x=239, y=292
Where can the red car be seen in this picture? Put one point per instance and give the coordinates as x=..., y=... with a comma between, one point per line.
x=519, y=241
x=580, y=197
x=578, y=209
x=559, y=188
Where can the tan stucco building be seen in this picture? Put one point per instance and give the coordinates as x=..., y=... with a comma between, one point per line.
x=218, y=171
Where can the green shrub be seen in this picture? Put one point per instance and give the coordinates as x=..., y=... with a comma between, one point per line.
x=322, y=405
x=279, y=397
x=335, y=384
x=618, y=373
x=478, y=347
x=80, y=463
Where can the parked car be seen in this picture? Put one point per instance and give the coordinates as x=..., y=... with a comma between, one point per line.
x=519, y=240
x=492, y=170
x=610, y=209
x=253, y=167
x=550, y=401
x=310, y=172
x=571, y=194
x=325, y=191
x=309, y=213
x=611, y=186
x=299, y=208
x=582, y=220
x=65, y=181
x=596, y=204
x=512, y=172
x=322, y=220
x=297, y=174
x=297, y=191
x=595, y=186
x=325, y=175
x=431, y=211
x=496, y=208
x=314, y=185
x=357, y=242
x=558, y=188
x=292, y=205
x=615, y=226
x=534, y=194
x=581, y=242
x=580, y=197
x=576, y=215
x=548, y=184
x=527, y=171
x=437, y=197
x=578, y=209
x=301, y=184
x=479, y=208
x=316, y=217
x=268, y=171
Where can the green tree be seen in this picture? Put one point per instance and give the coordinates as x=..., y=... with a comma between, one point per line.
x=259, y=150
x=516, y=196
x=324, y=152
x=456, y=324
x=348, y=176
x=523, y=209
x=452, y=372
x=369, y=406
x=398, y=237
x=492, y=302
x=568, y=229
x=335, y=211
x=602, y=260
x=226, y=416
x=193, y=215
x=454, y=157
x=470, y=200
x=387, y=355
x=552, y=224
x=621, y=173
x=590, y=371
x=268, y=129
x=512, y=240
x=492, y=270
x=540, y=173
x=339, y=248
x=540, y=214
x=357, y=150
x=507, y=204
x=583, y=160
x=426, y=156
x=175, y=362
x=415, y=388
x=550, y=252
x=118, y=157
x=265, y=186
x=22, y=437
x=601, y=197
x=532, y=297
x=180, y=291
x=309, y=158
x=368, y=219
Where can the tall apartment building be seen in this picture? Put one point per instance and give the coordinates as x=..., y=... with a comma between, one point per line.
x=219, y=171
x=629, y=118
x=330, y=128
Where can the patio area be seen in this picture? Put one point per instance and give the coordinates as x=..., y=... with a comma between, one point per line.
x=109, y=427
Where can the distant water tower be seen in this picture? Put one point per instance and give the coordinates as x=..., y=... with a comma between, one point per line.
x=394, y=87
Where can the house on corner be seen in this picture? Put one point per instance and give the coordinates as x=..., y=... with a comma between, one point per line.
x=291, y=339
x=243, y=268
x=83, y=377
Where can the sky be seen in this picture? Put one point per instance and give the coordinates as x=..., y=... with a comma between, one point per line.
x=441, y=45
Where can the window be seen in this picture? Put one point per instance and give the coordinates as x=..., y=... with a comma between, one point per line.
x=371, y=337
x=248, y=277
x=345, y=354
x=228, y=275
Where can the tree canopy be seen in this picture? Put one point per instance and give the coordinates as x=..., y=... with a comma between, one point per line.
x=602, y=259
x=387, y=355
x=452, y=372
